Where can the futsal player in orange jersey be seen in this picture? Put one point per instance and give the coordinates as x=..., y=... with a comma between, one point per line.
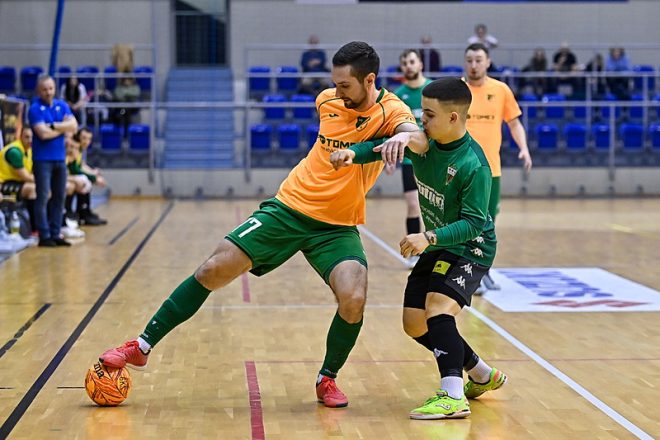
x=492, y=103
x=315, y=211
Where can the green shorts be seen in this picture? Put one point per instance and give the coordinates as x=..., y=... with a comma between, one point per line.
x=274, y=233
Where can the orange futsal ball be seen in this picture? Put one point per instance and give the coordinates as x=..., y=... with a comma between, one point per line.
x=107, y=386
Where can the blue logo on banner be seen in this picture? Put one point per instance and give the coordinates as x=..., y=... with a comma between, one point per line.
x=554, y=284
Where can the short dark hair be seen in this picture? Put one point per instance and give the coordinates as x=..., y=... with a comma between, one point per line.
x=477, y=46
x=450, y=90
x=407, y=52
x=362, y=58
x=76, y=137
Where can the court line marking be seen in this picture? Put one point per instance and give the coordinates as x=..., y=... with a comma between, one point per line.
x=123, y=231
x=256, y=412
x=37, y=386
x=602, y=406
x=628, y=230
x=5, y=348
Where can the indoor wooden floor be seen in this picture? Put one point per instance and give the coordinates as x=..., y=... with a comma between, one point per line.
x=244, y=366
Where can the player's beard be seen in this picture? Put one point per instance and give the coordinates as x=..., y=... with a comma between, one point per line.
x=411, y=76
x=476, y=76
x=355, y=104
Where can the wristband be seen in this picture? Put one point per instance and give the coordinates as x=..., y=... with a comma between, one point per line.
x=52, y=126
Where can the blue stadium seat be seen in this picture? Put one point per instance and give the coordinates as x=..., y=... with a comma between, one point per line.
x=63, y=74
x=110, y=137
x=260, y=137
x=554, y=112
x=532, y=109
x=605, y=111
x=636, y=112
x=639, y=81
x=289, y=136
x=313, y=133
x=303, y=112
x=547, y=136
x=654, y=132
x=259, y=85
x=576, y=136
x=7, y=79
x=144, y=82
x=138, y=137
x=394, y=81
x=88, y=82
x=286, y=84
x=601, y=133
x=110, y=83
x=29, y=76
x=274, y=113
x=632, y=136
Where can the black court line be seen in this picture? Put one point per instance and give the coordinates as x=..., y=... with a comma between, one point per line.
x=5, y=348
x=36, y=387
x=70, y=388
x=123, y=231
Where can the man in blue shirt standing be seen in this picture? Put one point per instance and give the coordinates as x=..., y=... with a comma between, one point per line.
x=50, y=118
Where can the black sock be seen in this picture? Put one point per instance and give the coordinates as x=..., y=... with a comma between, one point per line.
x=413, y=225
x=470, y=358
x=83, y=204
x=447, y=345
x=68, y=205
x=29, y=205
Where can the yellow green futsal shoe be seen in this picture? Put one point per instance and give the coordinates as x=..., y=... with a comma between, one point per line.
x=473, y=389
x=442, y=406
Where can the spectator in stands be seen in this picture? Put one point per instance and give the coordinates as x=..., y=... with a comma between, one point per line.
x=79, y=167
x=127, y=91
x=313, y=60
x=75, y=94
x=598, y=84
x=617, y=61
x=564, y=60
x=482, y=36
x=430, y=57
x=122, y=57
x=16, y=176
x=50, y=118
x=538, y=63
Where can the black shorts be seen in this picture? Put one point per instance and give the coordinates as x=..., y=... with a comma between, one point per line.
x=408, y=176
x=445, y=273
x=12, y=188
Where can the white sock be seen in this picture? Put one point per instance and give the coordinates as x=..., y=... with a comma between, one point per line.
x=144, y=345
x=453, y=385
x=481, y=372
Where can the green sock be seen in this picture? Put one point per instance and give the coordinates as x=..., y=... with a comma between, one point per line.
x=181, y=305
x=340, y=342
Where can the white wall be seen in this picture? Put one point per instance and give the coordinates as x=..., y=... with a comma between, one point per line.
x=621, y=24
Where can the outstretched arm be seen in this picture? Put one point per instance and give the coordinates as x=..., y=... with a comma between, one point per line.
x=518, y=134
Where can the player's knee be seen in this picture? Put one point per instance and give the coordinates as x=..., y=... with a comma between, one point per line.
x=351, y=305
x=413, y=326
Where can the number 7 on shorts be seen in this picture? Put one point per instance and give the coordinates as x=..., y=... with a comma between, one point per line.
x=254, y=225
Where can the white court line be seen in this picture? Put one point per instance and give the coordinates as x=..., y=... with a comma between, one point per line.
x=611, y=413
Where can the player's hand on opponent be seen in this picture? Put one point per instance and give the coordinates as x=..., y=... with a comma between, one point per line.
x=389, y=169
x=392, y=149
x=342, y=158
x=413, y=244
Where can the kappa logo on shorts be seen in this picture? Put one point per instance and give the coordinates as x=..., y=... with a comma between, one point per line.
x=441, y=267
x=460, y=281
x=467, y=268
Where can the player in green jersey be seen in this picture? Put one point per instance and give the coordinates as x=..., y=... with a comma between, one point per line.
x=457, y=248
x=410, y=92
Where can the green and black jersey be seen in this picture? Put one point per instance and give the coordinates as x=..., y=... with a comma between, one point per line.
x=454, y=182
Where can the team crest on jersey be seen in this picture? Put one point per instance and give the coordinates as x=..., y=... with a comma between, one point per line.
x=489, y=97
x=451, y=172
x=362, y=122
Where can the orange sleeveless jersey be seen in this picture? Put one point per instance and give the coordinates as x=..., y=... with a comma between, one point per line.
x=313, y=187
x=492, y=104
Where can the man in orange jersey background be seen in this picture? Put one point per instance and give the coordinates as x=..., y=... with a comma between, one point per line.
x=492, y=103
x=315, y=211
